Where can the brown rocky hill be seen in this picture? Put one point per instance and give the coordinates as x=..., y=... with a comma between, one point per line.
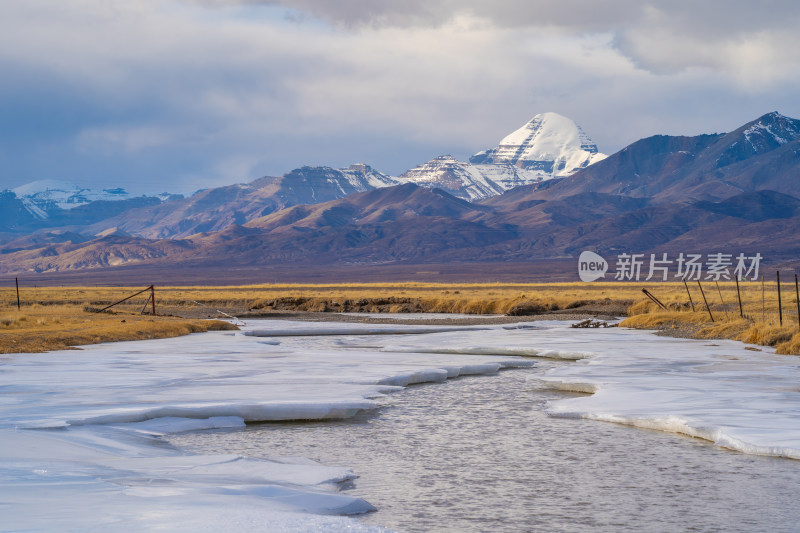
x=221, y=207
x=412, y=225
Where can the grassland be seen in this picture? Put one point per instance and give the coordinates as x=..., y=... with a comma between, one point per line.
x=54, y=317
x=48, y=321
x=757, y=321
x=371, y=297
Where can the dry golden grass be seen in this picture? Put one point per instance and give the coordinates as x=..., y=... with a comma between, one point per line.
x=443, y=295
x=760, y=308
x=424, y=297
x=656, y=319
x=791, y=347
x=41, y=328
x=494, y=297
x=760, y=324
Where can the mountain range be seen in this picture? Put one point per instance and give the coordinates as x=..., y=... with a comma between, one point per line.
x=732, y=192
x=549, y=146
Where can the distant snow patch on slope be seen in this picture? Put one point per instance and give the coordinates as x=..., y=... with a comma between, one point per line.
x=362, y=174
x=41, y=196
x=458, y=178
x=772, y=129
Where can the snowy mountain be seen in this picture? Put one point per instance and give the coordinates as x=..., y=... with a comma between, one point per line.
x=42, y=197
x=219, y=208
x=763, y=135
x=548, y=146
x=458, y=178
x=320, y=184
x=726, y=192
x=762, y=155
x=367, y=176
x=549, y=143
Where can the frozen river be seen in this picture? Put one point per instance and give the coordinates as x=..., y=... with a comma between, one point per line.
x=481, y=454
x=127, y=430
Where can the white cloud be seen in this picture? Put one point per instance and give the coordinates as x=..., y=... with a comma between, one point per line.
x=215, y=89
x=658, y=36
x=132, y=140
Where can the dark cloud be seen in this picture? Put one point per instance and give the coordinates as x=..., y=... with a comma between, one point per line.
x=711, y=17
x=656, y=35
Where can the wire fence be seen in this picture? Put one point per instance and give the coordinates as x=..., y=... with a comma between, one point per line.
x=18, y=287
x=787, y=293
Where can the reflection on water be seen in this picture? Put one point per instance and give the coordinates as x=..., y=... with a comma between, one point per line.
x=480, y=454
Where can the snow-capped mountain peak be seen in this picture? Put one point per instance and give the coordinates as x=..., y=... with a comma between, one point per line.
x=362, y=174
x=315, y=183
x=772, y=127
x=548, y=146
x=550, y=143
x=41, y=196
x=66, y=195
x=758, y=137
x=460, y=179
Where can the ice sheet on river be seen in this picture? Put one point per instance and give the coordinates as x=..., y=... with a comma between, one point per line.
x=716, y=390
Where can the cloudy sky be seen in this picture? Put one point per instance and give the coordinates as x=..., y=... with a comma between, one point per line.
x=177, y=95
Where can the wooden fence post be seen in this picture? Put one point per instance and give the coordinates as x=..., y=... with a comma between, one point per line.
x=706, y=301
x=153, y=298
x=654, y=299
x=797, y=299
x=739, y=296
x=719, y=291
x=16, y=280
x=150, y=288
x=780, y=307
x=689, y=294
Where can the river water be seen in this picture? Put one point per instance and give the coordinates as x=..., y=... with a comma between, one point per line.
x=481, y=454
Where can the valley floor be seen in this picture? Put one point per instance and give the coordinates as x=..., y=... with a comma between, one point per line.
x=59, y=317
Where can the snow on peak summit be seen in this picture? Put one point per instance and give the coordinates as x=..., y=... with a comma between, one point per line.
x=549, y=143
x=548, y=146
x=458, y=178
x=41, y=196
x=774, y=126
x=760, y=136
x=367, y=177
x=334, y=183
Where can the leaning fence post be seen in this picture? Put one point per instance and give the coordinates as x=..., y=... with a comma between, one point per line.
x=721, y=300
x=654, y=299
x=124, y=300
x=688, y=293
x=16, y=280
x=706, y=301
x=780, y=307
x=739, y=296
x=146, y=303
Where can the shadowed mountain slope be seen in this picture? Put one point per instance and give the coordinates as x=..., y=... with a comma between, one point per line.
x=761, y=155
